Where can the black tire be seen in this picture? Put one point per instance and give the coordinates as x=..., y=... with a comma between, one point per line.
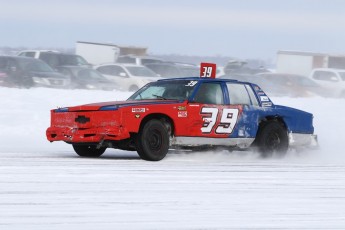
x=27, y=82
x=152, y=141
x=89, y=150
x=272, y=139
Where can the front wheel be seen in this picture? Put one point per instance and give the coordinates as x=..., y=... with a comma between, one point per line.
x=272, y=139
x=152, y=142
x=89, y=150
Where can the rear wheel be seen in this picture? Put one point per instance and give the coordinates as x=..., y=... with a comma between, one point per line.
x=152, y=142
x=272, y=139
x=89, y=150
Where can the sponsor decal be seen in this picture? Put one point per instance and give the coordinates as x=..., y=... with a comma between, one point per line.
x=137, y=115
x=182, y=108
x=266, y=104
x=182, y=114
x=264, y=98
x=191, y=83
x=138, y=110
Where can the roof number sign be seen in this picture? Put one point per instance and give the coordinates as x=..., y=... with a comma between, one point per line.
x=208, y=70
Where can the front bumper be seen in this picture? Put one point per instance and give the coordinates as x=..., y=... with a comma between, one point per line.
x=303, y=140
x=75, y=135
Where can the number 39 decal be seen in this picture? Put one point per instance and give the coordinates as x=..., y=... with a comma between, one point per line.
x=226, y=124
x=208, y=70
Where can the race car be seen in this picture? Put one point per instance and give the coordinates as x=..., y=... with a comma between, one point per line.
x=184, y=113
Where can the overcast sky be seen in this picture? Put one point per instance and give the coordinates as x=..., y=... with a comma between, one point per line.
x=241, y=28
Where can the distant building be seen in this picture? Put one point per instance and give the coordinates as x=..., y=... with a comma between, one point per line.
x=299, y=62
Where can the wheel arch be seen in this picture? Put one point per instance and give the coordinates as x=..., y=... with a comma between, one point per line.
x=168, y=121
x=276, y=118
x=266, y=120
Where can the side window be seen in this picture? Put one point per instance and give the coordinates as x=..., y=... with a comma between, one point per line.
x=117, y=70
x=325, y=76
x=252, y=95
x=209, y=93
x=238, y=94
x=104, y=70
x=111, y=70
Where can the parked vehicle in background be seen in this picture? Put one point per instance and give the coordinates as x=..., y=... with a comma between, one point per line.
x=28, y=72
x=128, y=77
x=241, y=67
x=86, y=78
x=332, y=79
x=293, y=85
x=172, y=70
x=55, y=58
x=137, y=60
x=270, y=87
x=278, y=84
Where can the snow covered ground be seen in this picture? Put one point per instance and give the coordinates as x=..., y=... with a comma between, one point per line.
x=46, y=186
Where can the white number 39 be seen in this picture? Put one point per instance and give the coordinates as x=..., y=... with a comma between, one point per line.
x=227, y=121
x=207, y=72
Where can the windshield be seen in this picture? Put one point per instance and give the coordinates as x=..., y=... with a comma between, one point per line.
x=164, y=90
x=90, y=74
x=35, y=65
x=72, y=60
x=141, y=71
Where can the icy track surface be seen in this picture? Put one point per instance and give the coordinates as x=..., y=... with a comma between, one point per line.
x=46, y=186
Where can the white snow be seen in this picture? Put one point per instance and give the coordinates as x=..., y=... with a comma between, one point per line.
x=46, y=186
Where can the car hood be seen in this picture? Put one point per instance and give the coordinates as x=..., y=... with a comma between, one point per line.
x=48, y=75
x=114, y=105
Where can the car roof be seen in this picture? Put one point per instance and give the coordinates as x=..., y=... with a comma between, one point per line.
x=20, y=58
x=279, y=74
x=47, y=51
x=204, y=80
x=330, y=69
x=139, y=56
x=120, y=64
x=72, y=67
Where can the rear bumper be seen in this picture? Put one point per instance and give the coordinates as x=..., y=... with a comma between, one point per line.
x=75, y=135
x=303, y=140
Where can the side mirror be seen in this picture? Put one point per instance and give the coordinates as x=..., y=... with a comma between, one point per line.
x=122, y=74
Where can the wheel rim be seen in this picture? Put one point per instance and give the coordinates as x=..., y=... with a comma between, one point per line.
x=155, y=140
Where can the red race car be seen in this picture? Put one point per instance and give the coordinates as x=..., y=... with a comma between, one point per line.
x=185, y=113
